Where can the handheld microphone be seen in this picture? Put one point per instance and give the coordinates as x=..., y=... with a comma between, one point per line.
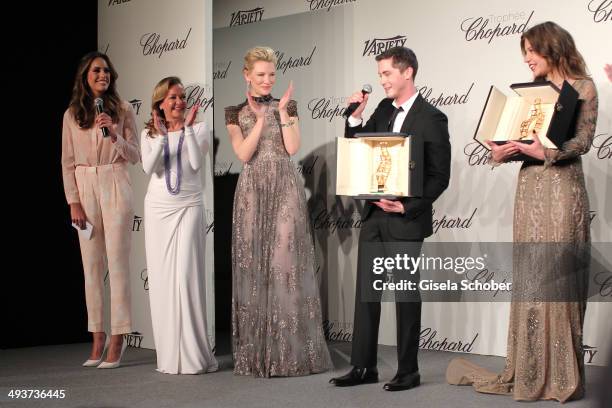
x=365, y=89
x=99, y=109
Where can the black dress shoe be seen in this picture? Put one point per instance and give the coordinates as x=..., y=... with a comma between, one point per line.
x=356, y=376
x=403, y=382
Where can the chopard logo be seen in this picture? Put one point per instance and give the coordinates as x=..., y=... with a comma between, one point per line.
x=377, y=46
x=242, y=17
x=484, y=276
x=327, y=108
x=210, y=222
x=603, y=145
x=478, y=28
x=144, y=277
x=293, y=62
x=428, y=341
x=223, y=168
x=151, y=44
x=196, y=93
x=477, y=154
x=136, y=223
x=601, y=9
x=220, y=70
x=337, y=331
x=444, y=99
x=603, y=280
x=136, y=104
x=117, y=2
x=324, y=220
x=307, y=168
x=327, y=4
x=452, y=222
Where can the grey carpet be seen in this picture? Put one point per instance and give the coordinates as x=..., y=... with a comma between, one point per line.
x=137, y=384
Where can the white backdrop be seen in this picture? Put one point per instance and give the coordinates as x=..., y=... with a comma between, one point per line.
x=147, y=41
x=327, y=48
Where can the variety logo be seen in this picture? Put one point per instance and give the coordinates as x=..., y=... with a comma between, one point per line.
x=136, y=223
x=283, y=64
x=133, y=339
x=136, y=104
x=242, y=17
x=151, y=44
x=377, y=46
x=479, y=28
x=444, y=99
x=327, y=4
x=588, y=353
x=592, y=215
x=601, y=9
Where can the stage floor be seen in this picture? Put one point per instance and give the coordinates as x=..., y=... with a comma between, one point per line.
x=137, y=384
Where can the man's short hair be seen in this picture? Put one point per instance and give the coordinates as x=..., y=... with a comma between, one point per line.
x=401, y=58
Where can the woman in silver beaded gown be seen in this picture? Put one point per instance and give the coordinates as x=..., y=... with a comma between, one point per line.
x=276, y=308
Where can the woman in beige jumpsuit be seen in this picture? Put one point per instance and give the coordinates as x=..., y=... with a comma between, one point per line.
x=98, y=190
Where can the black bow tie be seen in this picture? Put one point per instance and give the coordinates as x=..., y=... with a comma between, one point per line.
x=393, y=117
x=263, y=99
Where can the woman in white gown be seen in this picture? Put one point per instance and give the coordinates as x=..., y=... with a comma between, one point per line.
x=172, y=149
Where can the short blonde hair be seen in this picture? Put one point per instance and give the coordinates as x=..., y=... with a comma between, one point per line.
x=255, y=54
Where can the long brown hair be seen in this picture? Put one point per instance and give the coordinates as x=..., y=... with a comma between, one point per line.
x=557, y=46
x=159, y=94
x=82, y=101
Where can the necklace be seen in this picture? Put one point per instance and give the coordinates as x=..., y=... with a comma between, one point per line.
x=179, y=171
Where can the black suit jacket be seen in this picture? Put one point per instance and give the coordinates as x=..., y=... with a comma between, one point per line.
x=427, y=122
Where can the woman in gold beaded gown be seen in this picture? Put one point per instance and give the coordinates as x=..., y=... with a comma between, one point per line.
x=551, y=251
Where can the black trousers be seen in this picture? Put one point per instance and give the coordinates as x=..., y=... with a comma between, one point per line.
x=375, y=233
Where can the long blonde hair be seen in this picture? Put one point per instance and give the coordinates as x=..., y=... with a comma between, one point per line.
x=159, y=94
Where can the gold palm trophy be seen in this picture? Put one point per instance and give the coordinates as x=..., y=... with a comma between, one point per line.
x=536, y=118
x=384, y=167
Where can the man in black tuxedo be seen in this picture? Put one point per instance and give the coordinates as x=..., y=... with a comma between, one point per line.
x=407, y=220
